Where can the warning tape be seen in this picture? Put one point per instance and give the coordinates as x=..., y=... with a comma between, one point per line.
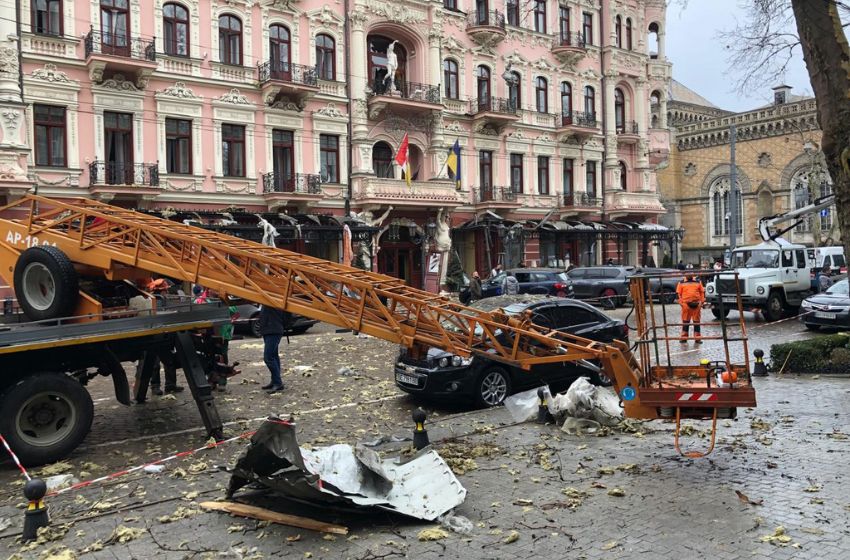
x=14, y=457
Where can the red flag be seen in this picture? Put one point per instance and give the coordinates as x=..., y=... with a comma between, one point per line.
x=402, y=158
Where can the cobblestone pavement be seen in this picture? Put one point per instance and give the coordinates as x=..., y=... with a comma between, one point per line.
x=789, y=456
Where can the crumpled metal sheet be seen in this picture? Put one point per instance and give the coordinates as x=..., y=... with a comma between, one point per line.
x=423, y=487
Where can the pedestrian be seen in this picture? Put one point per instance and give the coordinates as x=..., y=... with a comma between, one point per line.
x=226, y=334
x=510, y=285
x=167, y=360
x=824, y=280
x=718, y=266
x=272, y=328
x=475, y=287
x=610, y=262
x=681, y=265
x=202, y=295
x=691, y=297
x=496, y=271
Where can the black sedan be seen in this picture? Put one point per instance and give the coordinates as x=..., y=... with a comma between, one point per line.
x=249, y=315
x=830, y=309
x=444, y=376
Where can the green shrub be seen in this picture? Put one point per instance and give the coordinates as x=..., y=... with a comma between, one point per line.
x=808, y=356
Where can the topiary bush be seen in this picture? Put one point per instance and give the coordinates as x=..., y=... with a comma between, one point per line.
x=823, y=354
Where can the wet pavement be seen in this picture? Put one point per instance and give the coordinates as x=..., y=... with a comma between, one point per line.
x=534, y=491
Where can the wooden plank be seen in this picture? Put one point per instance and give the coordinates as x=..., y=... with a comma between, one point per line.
x=254, y=512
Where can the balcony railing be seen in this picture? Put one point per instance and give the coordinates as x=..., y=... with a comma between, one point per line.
x=300, y=183
x=581, y=199
x=628, y=127
x=287, y=72
x=112, y=173
x=120, y=44
x=495, y=194
x=481, y=18
x=578, y=118
x=492, y=105
x=570, y=40
x=410, y=90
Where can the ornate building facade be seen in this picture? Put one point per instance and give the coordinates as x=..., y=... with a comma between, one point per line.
x=294, y=109
x=779, y=167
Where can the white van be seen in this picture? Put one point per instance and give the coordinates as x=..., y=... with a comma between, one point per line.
x=832, y=256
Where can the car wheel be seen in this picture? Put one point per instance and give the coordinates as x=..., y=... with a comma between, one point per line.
x=255, y=328
x=668, y=296
x=46, y=283
x=718, y=315
x=812, y=326
x=45, y=417
x=492, y=388
x=610, y=300
x=300, y=330
x=601, y=380
x=774, y=308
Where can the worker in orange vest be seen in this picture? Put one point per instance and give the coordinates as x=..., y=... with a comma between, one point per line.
x=691, y=297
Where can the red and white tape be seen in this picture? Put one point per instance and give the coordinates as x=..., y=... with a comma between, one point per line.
x=14, y=457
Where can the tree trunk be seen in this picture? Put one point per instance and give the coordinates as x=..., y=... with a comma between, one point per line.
x=827, y=57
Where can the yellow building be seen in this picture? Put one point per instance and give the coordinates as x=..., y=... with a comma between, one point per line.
x=779, y=166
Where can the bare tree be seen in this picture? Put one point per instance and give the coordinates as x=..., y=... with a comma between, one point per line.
x=763, y=45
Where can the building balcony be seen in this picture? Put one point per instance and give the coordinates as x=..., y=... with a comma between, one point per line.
x=493, y=111
x=395, y=192
x=119, y=54
x=406, y=97
x=301, y=188
x=621, y=203
x=582, y=125
x=486, y=28
x=628, y=132
x=580, y=203
x=496, y=197
x=110, y=179
x=569, y=48
x=49, y=44
x=292, y=80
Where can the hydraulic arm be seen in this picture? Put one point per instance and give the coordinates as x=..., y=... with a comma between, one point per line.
x=767, y=223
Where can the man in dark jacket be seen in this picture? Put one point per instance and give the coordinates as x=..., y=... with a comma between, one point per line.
x=273, y=323
x=475, y=291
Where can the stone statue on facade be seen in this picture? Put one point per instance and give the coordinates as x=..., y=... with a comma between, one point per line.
x=442, y=238
x=269, y=232
x=365, y=250
x=392, y=67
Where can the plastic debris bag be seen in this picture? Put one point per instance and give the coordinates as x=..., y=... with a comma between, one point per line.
x=580, y=426
x=523, y=406
x=585, y=400
x=456, y=524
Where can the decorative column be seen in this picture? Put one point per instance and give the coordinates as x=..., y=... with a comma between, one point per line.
x=643, y=121
x=357, y=79
x=661, y=55
x=611, y=171
x=13, y=125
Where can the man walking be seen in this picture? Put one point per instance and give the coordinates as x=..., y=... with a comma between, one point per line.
x=824, y=280
x=691, y=297
x=510, y=285
x=272, y=328
x=475, y=291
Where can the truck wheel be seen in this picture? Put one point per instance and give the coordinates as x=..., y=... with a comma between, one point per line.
x=45, y=417
x=716, y=312
x=609, y=298
x=774, y=308
x=46, y=283
x=492, y=388
x=255, y=327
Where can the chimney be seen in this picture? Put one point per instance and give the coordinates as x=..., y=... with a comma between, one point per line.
x=781, y=95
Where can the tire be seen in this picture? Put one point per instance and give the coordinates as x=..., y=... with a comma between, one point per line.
x=811, y=326
x=255, y=328
x=667, y=296
x=492, y=387
x=716, y=312
x=610, y=301
x=774, y=308
x=300, y=330
x=601, y=380
x=45, y=417
x=46, y=284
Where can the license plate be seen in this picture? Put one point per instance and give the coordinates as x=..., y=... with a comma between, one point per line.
x=824, y=315
x=728, y=299
x=406, y=379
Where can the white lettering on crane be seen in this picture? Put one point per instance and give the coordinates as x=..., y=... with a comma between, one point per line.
x=15, y=238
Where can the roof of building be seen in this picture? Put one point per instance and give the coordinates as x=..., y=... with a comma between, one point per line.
x=679, y=92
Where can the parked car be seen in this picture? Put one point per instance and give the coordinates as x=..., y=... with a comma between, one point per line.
x=830, y=309
x=486, y=382
x=249, y=315
x=609, y=285
x=663, y=289
x=539, y=281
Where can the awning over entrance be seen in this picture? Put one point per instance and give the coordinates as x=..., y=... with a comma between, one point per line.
x=604, y=230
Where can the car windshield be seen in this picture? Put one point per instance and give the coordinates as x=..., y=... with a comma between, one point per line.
x=841, y=288
x=759, y=258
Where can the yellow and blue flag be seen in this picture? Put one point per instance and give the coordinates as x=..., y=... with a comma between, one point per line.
x=453, y=163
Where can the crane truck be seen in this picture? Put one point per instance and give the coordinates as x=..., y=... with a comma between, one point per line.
x=773, y=277
x=56, y=253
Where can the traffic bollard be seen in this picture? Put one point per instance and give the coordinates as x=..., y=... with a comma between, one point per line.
x=759, y=368
x=36, y=514
x=420, y=434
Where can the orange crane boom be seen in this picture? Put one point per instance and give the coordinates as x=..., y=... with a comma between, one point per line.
x=101, y=239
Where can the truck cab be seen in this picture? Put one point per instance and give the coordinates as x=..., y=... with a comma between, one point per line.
x=773, y=277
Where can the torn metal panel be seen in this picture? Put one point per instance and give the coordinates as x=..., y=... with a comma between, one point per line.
x=423, y=487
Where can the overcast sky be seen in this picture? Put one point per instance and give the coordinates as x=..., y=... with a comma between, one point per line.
x=699, y=59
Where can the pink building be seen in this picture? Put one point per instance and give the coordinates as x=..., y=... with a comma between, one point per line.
x=289, y=108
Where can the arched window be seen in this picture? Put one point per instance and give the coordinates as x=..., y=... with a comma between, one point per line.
x=325, y=57
x=541, y=94
x=382, y=160
x=807, y=185
x=378, y=59
x=629, y=33
x=652, y=40
x=566, y=100
x=515, y=90
x=280, y=52
x=619, y=110
x=590, y=102
x=230, y=40
x=540, y=16
x=483, y=88
x=114, y=27
x=655, y=108
x=623, y=176
x=47, y=17
x=175, y=30
x=450, y=78
x=719, y=206
x=618, y=32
